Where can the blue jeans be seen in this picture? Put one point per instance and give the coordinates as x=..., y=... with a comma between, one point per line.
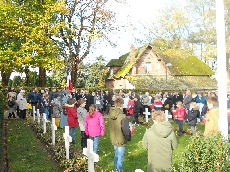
x=73, y=131
x=95, y=143
x=118, y=158
x=47, y=112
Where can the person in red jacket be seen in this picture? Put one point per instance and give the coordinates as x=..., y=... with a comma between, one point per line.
x=72, y=117
x=129, y=109
x=179, y=115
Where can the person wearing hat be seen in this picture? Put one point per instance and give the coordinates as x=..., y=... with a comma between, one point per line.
x=11, y=96
x=22, y=104
x=202, y=104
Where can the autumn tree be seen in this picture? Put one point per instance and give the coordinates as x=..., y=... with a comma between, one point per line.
x=28, y=37
x=87, y=20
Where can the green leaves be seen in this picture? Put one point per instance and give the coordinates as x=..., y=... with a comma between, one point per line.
x=206, y=154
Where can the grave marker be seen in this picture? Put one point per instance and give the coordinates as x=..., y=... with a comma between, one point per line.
x=147, y=113
x=53, y=128
x=38, y=115
x=44, y=122
x=92, y=157
x=166, y=115
x=34, y=113
x=68, y=139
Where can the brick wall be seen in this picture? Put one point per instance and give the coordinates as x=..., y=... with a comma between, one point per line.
x=150, y=58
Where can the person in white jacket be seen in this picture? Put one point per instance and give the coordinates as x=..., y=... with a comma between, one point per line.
x=22, y=104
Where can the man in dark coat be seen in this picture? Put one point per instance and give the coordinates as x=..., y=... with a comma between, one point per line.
x=136, y=109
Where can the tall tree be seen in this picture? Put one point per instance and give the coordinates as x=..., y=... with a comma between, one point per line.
x=27, y=36
x=87, y=20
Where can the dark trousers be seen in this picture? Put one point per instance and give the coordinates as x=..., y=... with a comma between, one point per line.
x=107, y=110
x=180, y=124
x=22, y=114
x=84, y=138
x=136, y=118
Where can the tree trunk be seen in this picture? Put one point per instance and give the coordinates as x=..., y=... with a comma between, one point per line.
x=42, y=77
x=5, y=78
x=27, y=76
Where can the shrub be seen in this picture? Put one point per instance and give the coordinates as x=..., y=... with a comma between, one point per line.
x=206, y=154
x=1, y=126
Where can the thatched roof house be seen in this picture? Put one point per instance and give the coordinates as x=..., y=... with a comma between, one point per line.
x=145, y=68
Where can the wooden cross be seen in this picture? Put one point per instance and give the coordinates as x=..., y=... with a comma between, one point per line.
x=38, y=115
x=68, y=139
x=166, y=115
x=34, y=113
x=53, y=128
x=92, y=157
x=147, y=113
x=44, y=122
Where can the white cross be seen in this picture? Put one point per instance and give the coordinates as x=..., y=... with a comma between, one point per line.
x=92, y=156
x=34, y=113
x=68, y=139
x=44, y=122
x=166, y=115
x=53, y=128
x=38, y=115
x=147, y=113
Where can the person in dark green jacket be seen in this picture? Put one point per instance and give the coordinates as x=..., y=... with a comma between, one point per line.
x=160, y=141
x=119, y=132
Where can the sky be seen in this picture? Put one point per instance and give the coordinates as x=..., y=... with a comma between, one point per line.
x=130, y=16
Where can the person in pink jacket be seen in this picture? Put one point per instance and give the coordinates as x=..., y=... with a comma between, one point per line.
x=94, y=126
x=179, y=115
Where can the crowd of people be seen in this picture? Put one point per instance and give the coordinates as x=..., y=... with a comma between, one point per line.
x=87, y=110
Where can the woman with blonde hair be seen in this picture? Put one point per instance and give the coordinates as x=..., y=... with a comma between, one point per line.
x=179, y=116
x=94, y=126
x=160, y=141
x=193, y=114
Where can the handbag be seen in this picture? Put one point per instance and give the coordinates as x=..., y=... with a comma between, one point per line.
x=167, y=106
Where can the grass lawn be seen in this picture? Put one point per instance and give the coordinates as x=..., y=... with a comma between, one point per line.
x=25, y=152
x=135, y=155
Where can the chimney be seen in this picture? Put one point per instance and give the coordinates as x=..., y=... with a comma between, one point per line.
x=132, y=53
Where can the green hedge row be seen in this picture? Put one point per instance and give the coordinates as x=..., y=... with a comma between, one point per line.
x=1, y=127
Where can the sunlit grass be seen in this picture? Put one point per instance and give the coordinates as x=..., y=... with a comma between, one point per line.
x=25, y=152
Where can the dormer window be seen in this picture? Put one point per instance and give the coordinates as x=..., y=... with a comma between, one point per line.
x=147, y=66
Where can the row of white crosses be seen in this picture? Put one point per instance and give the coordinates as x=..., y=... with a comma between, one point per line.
x=147, y=113
x=92, y=157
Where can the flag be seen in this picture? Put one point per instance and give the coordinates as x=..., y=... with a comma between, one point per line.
x=68, y=81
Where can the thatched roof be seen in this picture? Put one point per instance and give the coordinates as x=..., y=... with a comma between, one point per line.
x=182, y=65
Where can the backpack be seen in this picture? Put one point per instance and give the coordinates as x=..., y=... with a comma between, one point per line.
x=11, y=103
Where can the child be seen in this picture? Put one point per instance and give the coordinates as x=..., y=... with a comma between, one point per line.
x=94, y=126
x=57, y=109
x=211, y=124
x=46, y=104
x=192, y=115
x=72, y=117
x=129, y=109
x=179, y=115
x=81, y=112
x=158, y=103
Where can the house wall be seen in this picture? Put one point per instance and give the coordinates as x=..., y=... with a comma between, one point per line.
x=156, y=67
x=118, y=84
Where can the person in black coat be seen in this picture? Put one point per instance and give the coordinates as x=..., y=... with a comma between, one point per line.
x=136, y=109
x=192, y=115
x=107, y=102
